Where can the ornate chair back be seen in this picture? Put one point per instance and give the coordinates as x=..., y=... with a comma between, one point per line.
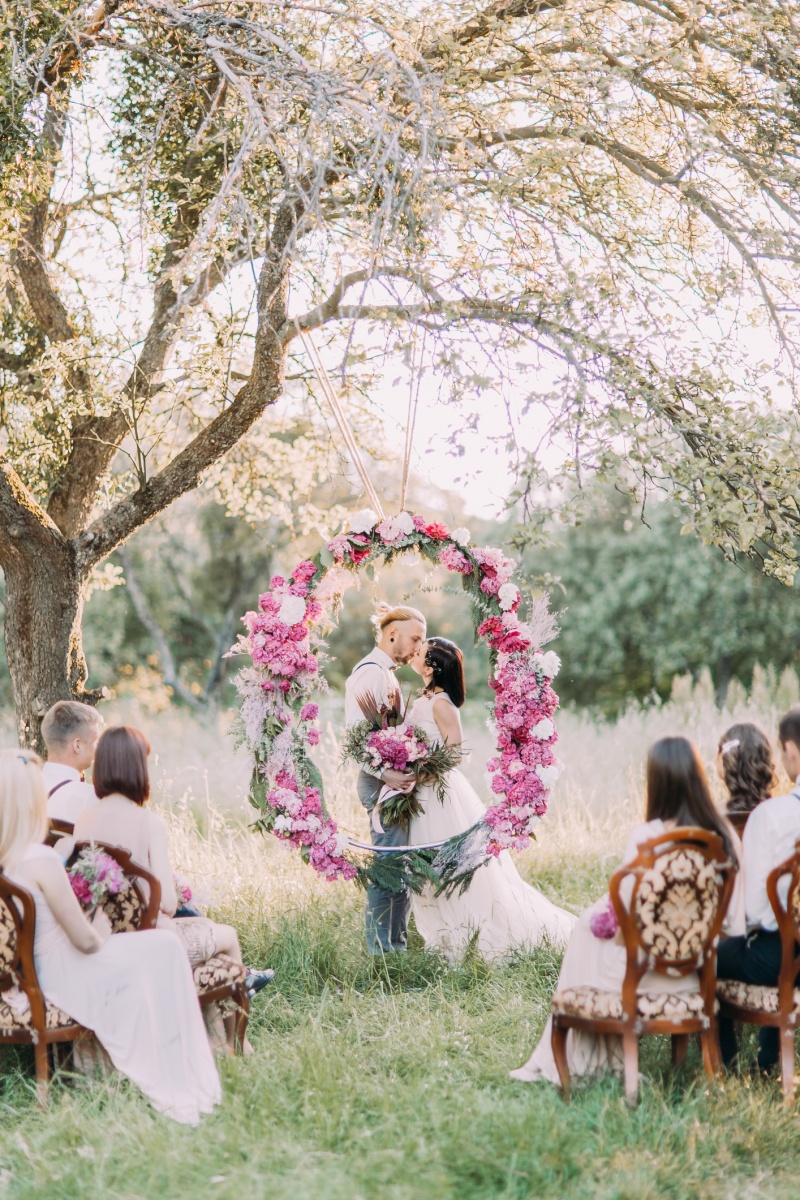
x=678, y=889
x=17, y=931
x=788, y=917
x=137, y=907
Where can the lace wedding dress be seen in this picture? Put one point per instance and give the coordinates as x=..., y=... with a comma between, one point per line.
x=499, y=907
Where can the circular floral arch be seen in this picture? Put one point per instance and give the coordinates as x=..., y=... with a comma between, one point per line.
x=278, y=712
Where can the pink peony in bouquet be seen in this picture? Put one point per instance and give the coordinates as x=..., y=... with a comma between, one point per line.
x=95, y=875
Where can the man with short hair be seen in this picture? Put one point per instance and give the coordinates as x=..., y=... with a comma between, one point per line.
x=71, y=731
x=399, y=632
x=769, y=839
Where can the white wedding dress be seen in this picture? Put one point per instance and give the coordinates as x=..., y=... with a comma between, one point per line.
x=504, y=912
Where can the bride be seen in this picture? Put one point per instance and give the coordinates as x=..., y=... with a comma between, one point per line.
x=499, y=909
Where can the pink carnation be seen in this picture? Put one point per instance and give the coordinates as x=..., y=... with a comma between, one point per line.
x=304, y=572
x=454, y=560
x=419, y=522
x=81, y=889
x=309, y=712
x=312, y=737
x=437, y=531
x=339, y=546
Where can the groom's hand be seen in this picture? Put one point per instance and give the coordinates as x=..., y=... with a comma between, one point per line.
x=402, y=781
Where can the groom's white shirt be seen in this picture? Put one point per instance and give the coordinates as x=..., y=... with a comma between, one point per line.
x=69, y=801
x=372, y=675
x=771, y=831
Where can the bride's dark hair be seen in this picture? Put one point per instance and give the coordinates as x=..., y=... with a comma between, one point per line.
x=447, y=662
x=677, y=790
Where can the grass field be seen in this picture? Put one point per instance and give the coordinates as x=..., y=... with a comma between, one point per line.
x=389, y=1079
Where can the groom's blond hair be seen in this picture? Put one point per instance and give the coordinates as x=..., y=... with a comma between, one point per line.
x=385, y=615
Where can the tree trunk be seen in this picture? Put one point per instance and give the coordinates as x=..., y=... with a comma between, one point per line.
x=44, y=609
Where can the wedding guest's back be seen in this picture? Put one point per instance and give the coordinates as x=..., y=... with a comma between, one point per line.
x=121, y=818
x=746, y=766
x=769, y=838
x=119, y=815
x=70, y=731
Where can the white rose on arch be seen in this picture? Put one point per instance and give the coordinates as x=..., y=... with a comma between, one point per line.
x=508, y=595
x=551, y=664
x=461, y=536
x=292, y=610
x=548, y=775
x=543, y=730
x=364, y=521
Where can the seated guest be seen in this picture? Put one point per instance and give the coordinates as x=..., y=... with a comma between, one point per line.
x=769, y=839
x=746, y=767
x=121, y=818
x=134, y=990
x=70, y=731
x=677, y=794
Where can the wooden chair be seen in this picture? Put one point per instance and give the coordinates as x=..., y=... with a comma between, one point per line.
x=779, y=1007
x=738, y=820
x=57, y=830
x=219, y=980
x=43, y=1025
x=679, y=886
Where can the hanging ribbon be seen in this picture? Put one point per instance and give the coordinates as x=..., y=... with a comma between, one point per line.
x=413, y=401
x=341, y=420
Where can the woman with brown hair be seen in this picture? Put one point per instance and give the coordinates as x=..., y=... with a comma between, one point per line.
x=121, y=818
x=133, y=990
x=746, y=767
x=677, y=795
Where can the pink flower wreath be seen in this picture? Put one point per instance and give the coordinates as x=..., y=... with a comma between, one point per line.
x=278, y=714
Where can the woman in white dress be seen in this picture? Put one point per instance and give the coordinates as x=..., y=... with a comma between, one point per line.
x=134, y=990
x=677, y=794
x=122, y=818
x=499, y=910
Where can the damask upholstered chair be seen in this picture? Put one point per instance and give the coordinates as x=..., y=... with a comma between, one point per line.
x=752, y=1004
x=33, y=1021
x=670, y=903
x=219, y=980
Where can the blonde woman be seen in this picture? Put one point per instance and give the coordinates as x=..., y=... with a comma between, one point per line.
x=134, y=990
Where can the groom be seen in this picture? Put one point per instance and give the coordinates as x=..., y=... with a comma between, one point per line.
x=399, y=631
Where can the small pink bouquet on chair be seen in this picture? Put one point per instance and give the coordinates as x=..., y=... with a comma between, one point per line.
x=95, y=875
x=604, y=923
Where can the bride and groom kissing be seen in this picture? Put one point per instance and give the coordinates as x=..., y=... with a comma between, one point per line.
x=499, y=912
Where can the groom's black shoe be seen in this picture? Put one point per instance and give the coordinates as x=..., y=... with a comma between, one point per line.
x=256, y=980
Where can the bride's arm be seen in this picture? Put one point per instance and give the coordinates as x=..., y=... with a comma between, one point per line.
x=448, y=721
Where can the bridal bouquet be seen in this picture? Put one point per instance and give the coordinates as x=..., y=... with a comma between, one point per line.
x=95, y=875
x=377, y=743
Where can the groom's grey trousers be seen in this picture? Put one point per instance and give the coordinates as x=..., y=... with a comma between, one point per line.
x=386, y=915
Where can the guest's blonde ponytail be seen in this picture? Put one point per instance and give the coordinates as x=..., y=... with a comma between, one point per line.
x=385, y=614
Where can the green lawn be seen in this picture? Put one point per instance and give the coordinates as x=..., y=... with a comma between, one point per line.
x=390, y=1079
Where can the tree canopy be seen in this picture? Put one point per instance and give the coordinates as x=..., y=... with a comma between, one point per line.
x=592, y=200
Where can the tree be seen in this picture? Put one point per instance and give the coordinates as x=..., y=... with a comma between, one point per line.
x=641, y=605
x=554, y=183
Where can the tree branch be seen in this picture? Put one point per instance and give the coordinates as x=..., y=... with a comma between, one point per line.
x=22, y=520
